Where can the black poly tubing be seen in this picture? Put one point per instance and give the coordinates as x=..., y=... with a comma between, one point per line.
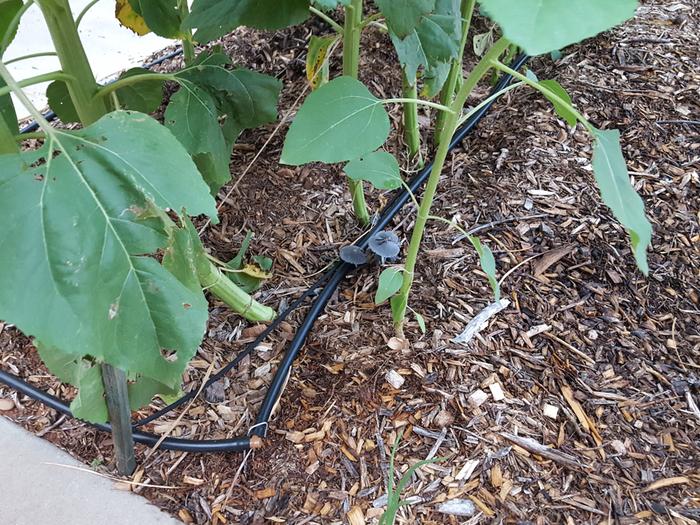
x=334, y=276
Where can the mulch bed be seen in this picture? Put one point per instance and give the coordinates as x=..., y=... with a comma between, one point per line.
x=590, y=359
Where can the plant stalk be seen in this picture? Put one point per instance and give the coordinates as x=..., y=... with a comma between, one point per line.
x=213, y=279
x=352, y=31
x=71, y=53
x=411, y=131
x=448, y=90
x=187, y=46
x=399, y=302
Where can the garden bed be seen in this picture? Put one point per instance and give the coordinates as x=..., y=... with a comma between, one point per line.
x=592, y=358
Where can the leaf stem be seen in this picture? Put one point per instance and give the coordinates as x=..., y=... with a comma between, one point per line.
x=15, y=88
x=188, y=51
x=30, y=135
x=85, y=10
x=327, y=19
x=129, y=81
x=487, y=101
x=400, y=301
x=412, y=100
x=46, y=77
x=553, y=97
x=32, y=55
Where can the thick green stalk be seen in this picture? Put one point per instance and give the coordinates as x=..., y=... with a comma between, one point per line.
x=212, y=279
x=411, y=130
x=74, y=62
x=351, y=66
x=187, y=45
x=448, y=90
x=400, y=302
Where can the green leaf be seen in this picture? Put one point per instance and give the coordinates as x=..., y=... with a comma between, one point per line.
x=403, y=16
x=488, y=264
x=193, y=118
x=420, y=320
x=145, y=96
x=619, y=194
x=7, y=111
x=247, y=282
x=380, y=168
x=541, y=26
x=215, y=18
x=161, y=16
x=61, y=103
x=317, y=69
x=144, y=389
x=80, y=220
x=390, y=281
x=340, y=121
x=8, y=10
x=562, y=110
x=432, y=44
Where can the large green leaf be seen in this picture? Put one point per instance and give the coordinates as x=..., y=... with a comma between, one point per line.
x=562, y=110
x=432, y=44
x=619, y=194
x=80, y=220
x=379, y=168
x=327, y=5
x=403, y=16
x=340, y=121
x=209, y=94
x=8, y=10
x=215, y=18
x=541, y=26
x=7, y=111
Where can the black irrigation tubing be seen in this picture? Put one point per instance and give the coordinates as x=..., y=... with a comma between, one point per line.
x=329, y=281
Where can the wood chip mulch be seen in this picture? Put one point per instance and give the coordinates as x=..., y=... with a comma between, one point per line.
x=576, y=404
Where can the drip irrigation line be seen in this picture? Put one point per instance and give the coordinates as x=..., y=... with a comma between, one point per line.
x=51, y=115
x=329, y=281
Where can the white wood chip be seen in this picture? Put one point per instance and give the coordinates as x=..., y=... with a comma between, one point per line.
x=497, y=392
x=537, y=330
x=550, y=411
x=457, y=507
x=394, y=379
x=467, y=470
x=480, y=321
x=477, y=398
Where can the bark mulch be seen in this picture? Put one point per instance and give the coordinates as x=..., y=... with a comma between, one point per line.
x=577, y=403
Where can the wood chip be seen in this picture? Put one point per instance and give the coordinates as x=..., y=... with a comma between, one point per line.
x=480, y=321
x=355, y=516
x=6, y=404
x=477, y=398
x=550, y=411
x=457, y=507
x=497, y=392
x=535, y=447
x=666, y=482
x=395, y=379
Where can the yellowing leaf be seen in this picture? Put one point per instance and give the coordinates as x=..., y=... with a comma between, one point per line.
x=130, y=18
x=316, y=65
x=255, y=271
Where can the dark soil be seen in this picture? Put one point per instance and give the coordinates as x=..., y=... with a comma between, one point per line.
x=594, y=360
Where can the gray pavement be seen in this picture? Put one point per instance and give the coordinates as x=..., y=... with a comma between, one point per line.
x=35, y=493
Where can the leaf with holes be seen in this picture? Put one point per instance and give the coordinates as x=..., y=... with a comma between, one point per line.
x=84, y=212
x=339, y=121
x=618, y=193
x=379, y=168
x=390, y=281
x=541, y=26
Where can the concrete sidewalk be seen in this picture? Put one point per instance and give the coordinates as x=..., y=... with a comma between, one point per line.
x=32, y=492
